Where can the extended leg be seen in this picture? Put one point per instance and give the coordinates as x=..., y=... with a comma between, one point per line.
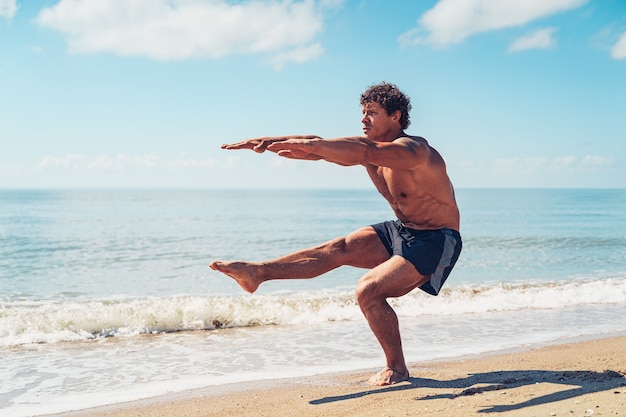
x=394, y=278
x=361, y=248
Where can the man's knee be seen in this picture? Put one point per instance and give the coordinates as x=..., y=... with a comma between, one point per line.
x=367, y=291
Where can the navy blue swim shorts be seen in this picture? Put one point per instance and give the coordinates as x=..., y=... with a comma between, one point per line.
x=432, y=252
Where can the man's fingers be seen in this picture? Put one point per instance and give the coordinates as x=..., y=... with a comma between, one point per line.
x=232, y=146
x=279, y=146
x=260, y=148
x=246, y=144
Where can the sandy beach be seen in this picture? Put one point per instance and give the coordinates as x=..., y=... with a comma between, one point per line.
x=575, y=379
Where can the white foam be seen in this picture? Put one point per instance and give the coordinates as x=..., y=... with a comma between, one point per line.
x=52, y=322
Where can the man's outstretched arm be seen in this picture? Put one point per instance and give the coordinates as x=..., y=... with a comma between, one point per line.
x=402, y=153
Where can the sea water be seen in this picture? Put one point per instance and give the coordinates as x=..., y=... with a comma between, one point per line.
x=106, y=296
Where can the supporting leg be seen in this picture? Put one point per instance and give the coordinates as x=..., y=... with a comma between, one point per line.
x=393, y=278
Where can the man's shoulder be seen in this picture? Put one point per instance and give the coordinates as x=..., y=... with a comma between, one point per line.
x=420, y=146
x=414, y=142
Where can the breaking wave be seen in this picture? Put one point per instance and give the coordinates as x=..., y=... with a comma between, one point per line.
x=26, y=322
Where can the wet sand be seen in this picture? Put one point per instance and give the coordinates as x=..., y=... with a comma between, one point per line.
x=574, y=379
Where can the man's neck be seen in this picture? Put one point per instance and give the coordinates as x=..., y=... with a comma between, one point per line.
x=400, y=134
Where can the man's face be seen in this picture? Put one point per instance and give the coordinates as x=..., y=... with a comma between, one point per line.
x=377, y=124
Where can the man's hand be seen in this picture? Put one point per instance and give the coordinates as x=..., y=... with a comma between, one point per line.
x=260, y=145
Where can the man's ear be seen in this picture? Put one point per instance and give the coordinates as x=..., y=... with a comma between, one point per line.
x=396, y=115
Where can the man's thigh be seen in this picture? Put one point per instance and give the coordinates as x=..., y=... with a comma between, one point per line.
x=365, y=248
x=393, y=278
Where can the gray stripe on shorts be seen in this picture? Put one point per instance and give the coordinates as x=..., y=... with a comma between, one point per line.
x=444, y=262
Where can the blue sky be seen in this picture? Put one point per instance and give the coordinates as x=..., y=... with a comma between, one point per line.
x=141, y=93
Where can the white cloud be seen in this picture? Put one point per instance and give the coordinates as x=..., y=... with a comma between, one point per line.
x=67, y=162
x=8, y=8
x=190, y=29
x=619, y=49
x=181, y=170
x=595, y=162
x=121, y=162
x=298, y=55
x=540, y=39
x=563, y=164
x=185, y=163
x=452, y=21
x=540, y=171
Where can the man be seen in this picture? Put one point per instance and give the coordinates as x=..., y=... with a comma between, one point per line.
x=418, y=249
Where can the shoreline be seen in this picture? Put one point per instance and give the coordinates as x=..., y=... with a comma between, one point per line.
x=580, y=376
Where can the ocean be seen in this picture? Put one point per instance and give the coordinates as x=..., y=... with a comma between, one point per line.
x=106, y=295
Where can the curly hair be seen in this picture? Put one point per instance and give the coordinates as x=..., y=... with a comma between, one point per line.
x=390, y=98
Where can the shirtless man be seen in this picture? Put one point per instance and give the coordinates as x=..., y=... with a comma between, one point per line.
x=418, y=249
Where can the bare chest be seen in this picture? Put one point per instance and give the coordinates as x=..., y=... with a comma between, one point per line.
x=392, y=187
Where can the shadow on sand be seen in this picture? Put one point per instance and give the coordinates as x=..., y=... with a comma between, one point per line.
x=585, y=382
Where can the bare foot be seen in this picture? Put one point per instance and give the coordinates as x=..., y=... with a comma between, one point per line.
x=388, y=376
x=240, y=272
